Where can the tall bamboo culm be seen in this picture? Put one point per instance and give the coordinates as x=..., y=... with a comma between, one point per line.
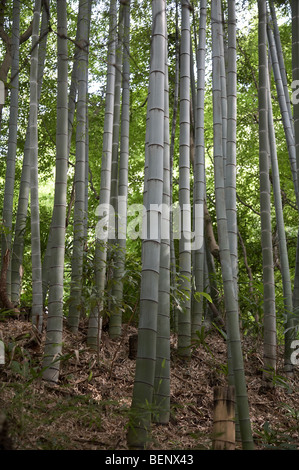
x=265, y=202
x=94, y=330
x=37, y=297
x=162, y=370
x=23, y=201
x=295, y=77
x=231, y=304
x=12, y=143
x=117, y=287
x=199, y=174
x=53, y=345
x=75, y=307
x=142, y=402
x=184, y=314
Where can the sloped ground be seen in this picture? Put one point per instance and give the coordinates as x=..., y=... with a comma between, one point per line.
x=88, y=409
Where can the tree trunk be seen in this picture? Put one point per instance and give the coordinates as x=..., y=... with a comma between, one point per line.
x=230, y=300
x=115, y=329
x=265, y=202
x=53, y=346
x=117, y=289
x=141, y=409
x=283, y=251
x=231, y=163
x=22, y=210
x=281, y=60
x=75, y=307
x=184, y=314
x=287, y=123
x=104, y=208
x=199, y=174
x=173, y=263
x=162, y=373
x=295, y=77
x=12, y=144
x=72, y=100
x=37, y=298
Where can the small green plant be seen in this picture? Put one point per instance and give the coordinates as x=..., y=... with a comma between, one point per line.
x=201, y=334
x=291, y=412
x=223, y=369
x=271, y=438
x=278, y=380
x=20, y=361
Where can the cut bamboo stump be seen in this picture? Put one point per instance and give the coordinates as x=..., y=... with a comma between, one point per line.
x=133, y=343
x=224, y=418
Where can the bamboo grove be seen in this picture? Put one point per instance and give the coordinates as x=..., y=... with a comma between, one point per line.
x=188, y=236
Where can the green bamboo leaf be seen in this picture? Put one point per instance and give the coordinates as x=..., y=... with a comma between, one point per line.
x=198, y=296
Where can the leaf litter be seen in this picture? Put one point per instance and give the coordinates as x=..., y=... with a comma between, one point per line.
x=88, y=409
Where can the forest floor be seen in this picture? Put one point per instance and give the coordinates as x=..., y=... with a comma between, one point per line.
x=88, y=408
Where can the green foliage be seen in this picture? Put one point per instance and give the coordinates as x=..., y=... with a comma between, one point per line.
x=21, y=362
x=198, y=295
x=272, y=438
x=201, y=340
x=28, y=411
x=291, y=412
x=247, y=146
x=278, y=380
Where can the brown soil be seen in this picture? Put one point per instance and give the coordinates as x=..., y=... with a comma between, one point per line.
x=88, y=409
